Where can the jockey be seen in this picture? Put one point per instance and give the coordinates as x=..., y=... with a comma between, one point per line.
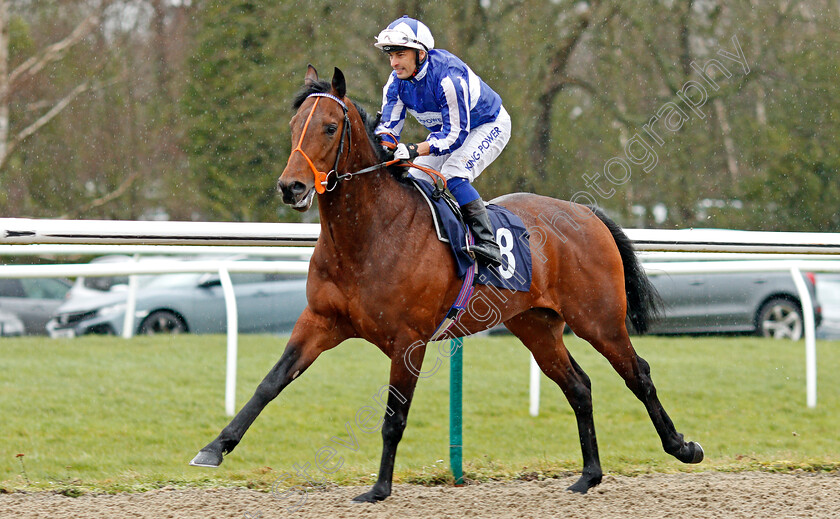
x=468, y=124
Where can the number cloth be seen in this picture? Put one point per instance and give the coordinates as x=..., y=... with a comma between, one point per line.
x=511, y=235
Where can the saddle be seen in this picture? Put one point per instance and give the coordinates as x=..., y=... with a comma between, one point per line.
x=510, y=232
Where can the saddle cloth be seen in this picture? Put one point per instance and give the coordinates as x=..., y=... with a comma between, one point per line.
x=511, y=235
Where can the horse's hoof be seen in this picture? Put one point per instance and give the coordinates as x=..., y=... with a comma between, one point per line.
x=697, y=455
x=206, y=459
x=583, y=484
x=371, y=496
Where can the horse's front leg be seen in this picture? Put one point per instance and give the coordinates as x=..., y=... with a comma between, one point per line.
x=311, y=336
x=405, y=368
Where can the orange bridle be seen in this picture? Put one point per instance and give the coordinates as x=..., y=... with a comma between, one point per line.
x=321, y=176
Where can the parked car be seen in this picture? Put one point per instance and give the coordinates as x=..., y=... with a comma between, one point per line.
x=32, y=300
x=829, y=296
x=764, y=303
x=95, y=285
x=193, y=302
x=86, y=286
x=10, y=325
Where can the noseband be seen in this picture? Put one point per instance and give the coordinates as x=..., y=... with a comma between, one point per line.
x=321, y=177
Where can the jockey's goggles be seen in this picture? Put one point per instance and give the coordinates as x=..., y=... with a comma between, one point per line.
x=391, y=40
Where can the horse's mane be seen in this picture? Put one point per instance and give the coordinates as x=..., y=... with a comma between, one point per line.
x=324, y=87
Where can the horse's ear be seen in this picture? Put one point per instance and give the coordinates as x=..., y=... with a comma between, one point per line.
x=338, y=83
x=311, y=76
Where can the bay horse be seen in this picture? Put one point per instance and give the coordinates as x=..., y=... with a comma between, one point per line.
x=380, y=273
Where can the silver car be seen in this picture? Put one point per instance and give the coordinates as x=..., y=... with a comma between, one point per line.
x=193, y=303
x=829, y=295
x=10, y=325
x=32, y=300
x=764, y=303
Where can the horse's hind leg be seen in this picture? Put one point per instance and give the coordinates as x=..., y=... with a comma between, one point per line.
x=611, y=339
x=541, y=331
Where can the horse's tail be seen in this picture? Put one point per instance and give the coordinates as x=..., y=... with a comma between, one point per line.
x=644, y=303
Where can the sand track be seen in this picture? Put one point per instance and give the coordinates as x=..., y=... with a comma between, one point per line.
x=700, y=495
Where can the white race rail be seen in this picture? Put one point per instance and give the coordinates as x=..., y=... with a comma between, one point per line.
x=303, y=253
x=28, y=232
x=723, y=240
x=101, y=232
x=120, y=232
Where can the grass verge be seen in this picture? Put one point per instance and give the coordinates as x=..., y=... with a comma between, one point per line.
x=108, y=415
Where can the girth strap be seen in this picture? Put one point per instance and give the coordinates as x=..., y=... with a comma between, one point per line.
x=461, y=302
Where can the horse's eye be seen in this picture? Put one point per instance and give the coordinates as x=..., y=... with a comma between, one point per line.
x=331, y=129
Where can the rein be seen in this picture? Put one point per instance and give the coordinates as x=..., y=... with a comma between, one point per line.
x=327, y=181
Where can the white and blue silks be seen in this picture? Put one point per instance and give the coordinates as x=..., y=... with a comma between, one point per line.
x=445, y=96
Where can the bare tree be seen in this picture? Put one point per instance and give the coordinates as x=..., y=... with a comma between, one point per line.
x=11, y=81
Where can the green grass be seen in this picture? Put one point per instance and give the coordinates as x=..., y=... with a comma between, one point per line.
x=110, y=414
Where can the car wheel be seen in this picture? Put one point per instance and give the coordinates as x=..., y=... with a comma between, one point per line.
x=162, y=321
x=780, y=319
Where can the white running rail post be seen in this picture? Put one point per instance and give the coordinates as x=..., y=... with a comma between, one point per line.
x=232, y=332
x=130, y=303
x=535, y=388
x=810, y=337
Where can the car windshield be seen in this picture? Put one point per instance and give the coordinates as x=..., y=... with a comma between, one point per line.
x=188, y=279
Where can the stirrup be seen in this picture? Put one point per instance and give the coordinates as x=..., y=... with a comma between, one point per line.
x=487, y=258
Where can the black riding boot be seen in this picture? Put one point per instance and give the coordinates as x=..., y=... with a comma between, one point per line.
x=485, y=248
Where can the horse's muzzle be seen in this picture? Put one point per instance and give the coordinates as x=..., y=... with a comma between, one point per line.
x=292, y=191
x=296, y=194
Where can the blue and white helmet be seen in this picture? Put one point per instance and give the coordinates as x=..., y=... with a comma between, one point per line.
x=405, y=33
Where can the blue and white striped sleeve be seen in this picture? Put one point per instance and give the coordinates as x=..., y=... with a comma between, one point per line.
x=393, y=110
x=455, y=111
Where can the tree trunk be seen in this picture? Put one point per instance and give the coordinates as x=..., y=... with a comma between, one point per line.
x=4, y=78
x=728, y=142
